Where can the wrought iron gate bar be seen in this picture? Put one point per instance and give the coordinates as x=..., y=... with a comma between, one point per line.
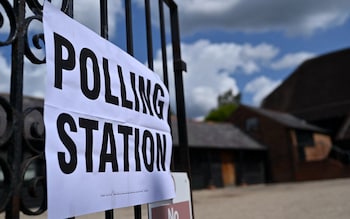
x=179, y=67
x=22, y=140
x=149, y=34
x=163, y=43
x=104, y=19
x=104, y=34
x=128, y=22
x=14, y=155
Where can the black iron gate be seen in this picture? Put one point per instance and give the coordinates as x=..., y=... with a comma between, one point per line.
x=22, y=135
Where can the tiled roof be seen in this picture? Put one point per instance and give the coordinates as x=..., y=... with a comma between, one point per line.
x=287, y=119
x=216, y=135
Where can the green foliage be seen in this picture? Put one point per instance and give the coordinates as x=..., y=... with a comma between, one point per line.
x=227, y=104
x=222, y=113
x=228, y=98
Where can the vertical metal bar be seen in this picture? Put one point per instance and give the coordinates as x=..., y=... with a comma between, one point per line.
x=130, y=50
x=109, y=214
x=137, y=212
x=163, y=43
x=149, y=34
x=70, y=8
x=179, y=67
x=128, y=23
x=104, y=34
x=164, y=59
x=15, y=152
x=137, y=208
x=104, y=19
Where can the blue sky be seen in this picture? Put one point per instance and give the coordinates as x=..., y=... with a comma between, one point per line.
x=246, y=46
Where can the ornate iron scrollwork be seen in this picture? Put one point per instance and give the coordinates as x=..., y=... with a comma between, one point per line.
x=13, y=24
x=5, y=193
x=33, y=194
x=32, y=173
x=6, y=118
x=36, y=38
x=34, y=130
x=37, y=8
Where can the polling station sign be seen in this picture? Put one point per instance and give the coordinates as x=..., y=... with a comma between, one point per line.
x=108, y=142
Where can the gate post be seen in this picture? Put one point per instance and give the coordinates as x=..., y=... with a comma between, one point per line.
x=15, y=154
x=179, y=67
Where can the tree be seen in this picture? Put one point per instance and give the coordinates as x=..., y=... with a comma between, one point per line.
x=222, y=113
x=227, y=104
x=229, y=98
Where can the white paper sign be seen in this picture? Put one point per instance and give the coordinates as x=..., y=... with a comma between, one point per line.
x=108, y=143
x=179, y=207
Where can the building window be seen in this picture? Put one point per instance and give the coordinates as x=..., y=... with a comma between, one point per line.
x=252, y=124
x=304, y=139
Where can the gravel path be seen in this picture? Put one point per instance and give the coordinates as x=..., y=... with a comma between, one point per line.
x=310, y=200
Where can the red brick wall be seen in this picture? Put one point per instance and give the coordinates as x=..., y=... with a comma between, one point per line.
x=326, y=169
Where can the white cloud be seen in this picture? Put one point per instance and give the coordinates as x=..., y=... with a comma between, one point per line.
x=319, y=21
x=34, y=79
x=299, y=17
x=291, y=60
x=260, y=87
x=210, y=67
x=208, y=6
x=227, y=57
x=87, y=12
